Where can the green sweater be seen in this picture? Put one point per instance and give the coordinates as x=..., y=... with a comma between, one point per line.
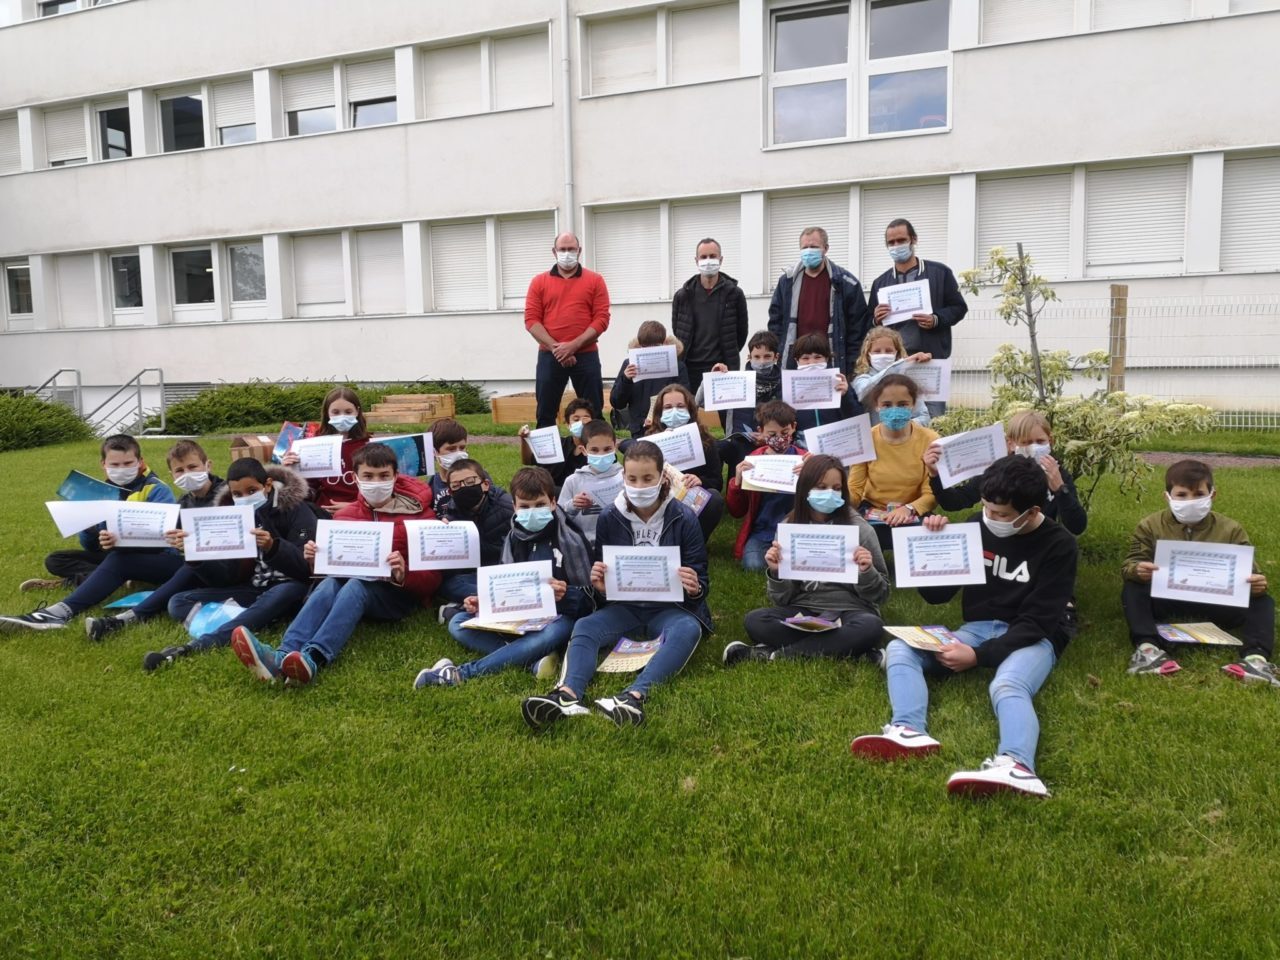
x=871, y=590
x=1215, y=528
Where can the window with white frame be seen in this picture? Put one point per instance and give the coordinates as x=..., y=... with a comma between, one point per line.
x=524, y=250
x=17, y=286
x=1135, y=219
x=193, y=282
x=459, y=280
x=521, y=70
x=1251, y=213
x=308, y=98
x=125, y=270
x=10, y=150
x=51, y=8
x=625, y=247
x=452, y=80
x=115, y=139
x=246, y=272
x=695, y=221
x=925, y=205
x=809, y=73
x=1032, y=210
x=660, y=47
x=371, y=92
x=379, y=258
x=1111, y=14
x=182, y=121
x=790, y=213
x=233, y=111
x=908, y=65
x=64, y=136
x=77, y=283
x=1010, y=20
x=319, y=275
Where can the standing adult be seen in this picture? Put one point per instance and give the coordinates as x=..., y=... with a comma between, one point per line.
x=709, y=315
x=925, y=332
x=818, y=296
x=566, y=310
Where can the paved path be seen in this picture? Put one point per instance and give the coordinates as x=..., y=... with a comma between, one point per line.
x=1212, y=459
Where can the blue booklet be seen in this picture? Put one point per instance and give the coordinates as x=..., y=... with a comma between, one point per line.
x=129, y=602
x=288, y=433
x=414, y=452
x=81, y=486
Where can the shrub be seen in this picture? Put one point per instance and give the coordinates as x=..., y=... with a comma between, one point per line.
x=27, y=422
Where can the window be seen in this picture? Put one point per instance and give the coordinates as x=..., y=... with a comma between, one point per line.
x=380, y=270
x=114, y=138
x=521, y=71
x=704, y=43
x=789, y=213
x=1250, y=6
x=692, y=222
x=925, y=205
x=192, y=276
x=248, y=276
x=373, y=113
x=10, y=154
x=809, y=78
x=233, y=111
x=64, y=138
x=52, y=8
x=17, y=282
x=1135, y=220
x=1251, y=213
x=900, y=28
x=126, y=280
x=1005, y=20
x=524, y=250
x=907, y=65
x=371, y=92
x=308, y=97
x=182, y=123
x=77, y=289
x=625, y=247
x=241, y=133
x=1035, y=211
x=318, y=120
x=1110, y=14
x=623, y=53
x=319, y=275
x=452, y=80
x=457, y=281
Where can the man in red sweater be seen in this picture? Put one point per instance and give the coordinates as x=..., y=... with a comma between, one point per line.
x=565, y=310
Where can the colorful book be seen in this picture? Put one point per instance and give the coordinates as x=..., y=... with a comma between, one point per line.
x=81, y=486
x=809, y=624
x=630, y=656
x=414, y=453
x=515, y=628
x=879, y=514
x=1206, y=633
x=931, y=638
x=289, y=432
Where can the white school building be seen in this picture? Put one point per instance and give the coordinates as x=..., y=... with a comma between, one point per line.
x=313, y=189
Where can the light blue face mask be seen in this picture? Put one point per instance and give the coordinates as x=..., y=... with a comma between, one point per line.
x=343, y=423
x=575, y=428
x=600, y=462
x=895, y=418
x=826, y=501
x=901, y=253
x=675, y=417
x=811, y=257
x=254, y=500
x=533, y=519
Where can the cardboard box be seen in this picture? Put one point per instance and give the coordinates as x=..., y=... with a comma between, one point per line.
x=253, y=445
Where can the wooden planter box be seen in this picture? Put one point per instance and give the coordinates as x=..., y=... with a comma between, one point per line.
x=422, y=408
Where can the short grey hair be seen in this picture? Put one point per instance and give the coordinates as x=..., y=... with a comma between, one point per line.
x=719, y=249
x=819, y=231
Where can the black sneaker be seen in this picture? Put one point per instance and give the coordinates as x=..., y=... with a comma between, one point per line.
x=626, y=709
x=37, y=619
x=738, y=652
x=96, y=628
x=541, y=712
x=159, y=658
x=447, y=612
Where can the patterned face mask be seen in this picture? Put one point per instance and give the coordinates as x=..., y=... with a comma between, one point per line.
x=779, y=443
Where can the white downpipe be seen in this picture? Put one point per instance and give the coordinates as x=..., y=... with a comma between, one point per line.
x=566, y=98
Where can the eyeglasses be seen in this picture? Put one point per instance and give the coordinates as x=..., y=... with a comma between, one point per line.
x=469, y=482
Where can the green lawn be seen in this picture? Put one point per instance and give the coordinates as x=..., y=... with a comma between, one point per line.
x=196, y=813
x=1245, y=443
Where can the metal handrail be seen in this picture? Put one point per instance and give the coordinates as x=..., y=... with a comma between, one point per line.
x=52, y=384
x=135, y=384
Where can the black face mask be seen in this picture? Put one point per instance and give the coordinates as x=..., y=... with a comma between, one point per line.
x=469, y=498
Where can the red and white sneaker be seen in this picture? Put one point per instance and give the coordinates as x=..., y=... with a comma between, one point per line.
x=999, y=774
x=894, y=743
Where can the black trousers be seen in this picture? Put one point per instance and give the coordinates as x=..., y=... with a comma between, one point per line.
x=1143, y=612
x=74, y=566
x=859, y=631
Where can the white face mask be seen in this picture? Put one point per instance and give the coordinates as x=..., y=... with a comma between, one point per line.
x=812, y=365
x=879, y=361
x=1190, y=511
x=1003, y=528
x=447, y=460
x=376, y=492
x=191, y=482
x=1033, y=450
x=643, y=497
x=567, y=258
x=709, y=266
x=253, y=500
x=122, y=476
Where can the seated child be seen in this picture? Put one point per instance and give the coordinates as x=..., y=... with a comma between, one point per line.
x=762, y=512
x=602, y=470
x=472, y=495
x=741, y=427
x=538, y=532
x=577, y=414
x=674, y=407
x=644, y=515
x=813, y=351
x=337, y=605
x=1190, y=516
x=883, y=353
x=821, y=498
x=340, y=413
x=1015, y=623
x=449, y=438
x=634, y=400
x=893, y=489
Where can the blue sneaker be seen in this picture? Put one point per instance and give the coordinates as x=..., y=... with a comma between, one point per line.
x=263, y=660
x=442, y=674
x=298, y=666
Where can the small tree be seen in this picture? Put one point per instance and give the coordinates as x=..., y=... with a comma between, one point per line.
x=1095, y=434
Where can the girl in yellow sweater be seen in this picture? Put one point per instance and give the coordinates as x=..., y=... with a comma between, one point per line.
x=893, y=489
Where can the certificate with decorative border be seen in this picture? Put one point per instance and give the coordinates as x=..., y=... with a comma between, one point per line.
x=811, y=389
x=141, y=524
x=681, y=447
x=820, y=552
x=642, y=573
x=1202, y=572
x=436, y=545
x=354, y=548
x=850, y=440
x=515, y=591
x=218, y=533
x=729, y=391
x=951, y=556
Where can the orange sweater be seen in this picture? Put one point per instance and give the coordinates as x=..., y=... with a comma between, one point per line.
x=568, y=306
x=897, y=475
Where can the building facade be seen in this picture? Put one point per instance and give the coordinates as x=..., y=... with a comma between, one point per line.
x=302, y=189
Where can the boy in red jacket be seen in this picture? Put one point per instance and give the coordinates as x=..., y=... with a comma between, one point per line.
x=327, y=620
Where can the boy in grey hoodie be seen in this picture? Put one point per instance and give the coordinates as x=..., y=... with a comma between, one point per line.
x=588, y=490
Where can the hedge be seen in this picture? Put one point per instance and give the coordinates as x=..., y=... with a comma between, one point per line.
x=27, y=421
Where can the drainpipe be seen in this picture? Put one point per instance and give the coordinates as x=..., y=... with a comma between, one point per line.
x=566, y=98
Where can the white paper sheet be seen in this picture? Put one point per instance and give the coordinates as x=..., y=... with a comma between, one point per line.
x=642, y=573
x=681, y=447
x=772, y=473
x=933, y=378
x=354, y=548
x=1202, y=572
x=515, y=591
x=729, y=391
x=545, y=445
x=817, y=551
x=811, y=389
x=968, y=454
x=906, y=300
x=654, y=363
x=73, y=516
x=848, y=440
x=218, y=533
x=950, y=557
x=319, y=457
x=436, y=545
x=141, y=524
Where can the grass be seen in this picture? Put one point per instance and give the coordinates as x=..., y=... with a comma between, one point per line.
x=196, y=813
x=1244, y=443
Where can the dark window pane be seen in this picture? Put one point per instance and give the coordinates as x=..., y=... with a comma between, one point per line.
x=373, y=112
x=912, y=100
x=113, y=129
x=244, y=133
x=319, y=120
x=902, y=27
x=126, y=281
x=809, y=111
x=18, y=280
x=68, y=163
x=182, y=122
x=193, y=276
x=811, y=38
x=54, y=7
x=248, y=279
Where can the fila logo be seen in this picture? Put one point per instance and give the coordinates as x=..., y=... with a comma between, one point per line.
x=1000, y=567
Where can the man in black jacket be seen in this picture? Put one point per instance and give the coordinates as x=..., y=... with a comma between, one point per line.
x=709, y=315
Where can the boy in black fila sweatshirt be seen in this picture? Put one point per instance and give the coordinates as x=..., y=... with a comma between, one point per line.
x=1016, y=622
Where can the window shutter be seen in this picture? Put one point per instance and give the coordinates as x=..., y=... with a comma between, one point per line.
x=452, y=76
x=1136, y=215
x=1034, y=210
x=791, y=213
x=1250, y=6
x=64, y=134
x=623, y=53
x=924, y=205
x=1108, y=14
x=521, y=71
x=307, y=89
x=317, y=270
x=233, y=103
x=371, y=80
x=1251, y=214
x=457, y=281
x=10, y=156
x=691, y=222
x=1004, y=20
x=77, y=290
x=524, y=251
x=380, y=270
x=704, y=43
x=625, y=249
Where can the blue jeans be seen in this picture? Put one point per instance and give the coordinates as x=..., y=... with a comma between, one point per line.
x=680, y=629
x=501, y=653
x=753, y=554
x=119, y=565
x=1016, y=682
x=551, y=379
x=261, y=607
x=457, y=585
x=326, y=621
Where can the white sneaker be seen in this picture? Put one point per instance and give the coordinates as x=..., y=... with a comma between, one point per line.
x=894, y=743
x=999, y=774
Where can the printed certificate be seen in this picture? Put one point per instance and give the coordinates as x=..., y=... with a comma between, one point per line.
x=642, y=573
x=142, y=524
x=729, y=391
x=436, y=545
x=906, y=300
x=353, y=548
x=1202, y=572
x=932, y=638
x=545, y=445
x=849, y=441
x=933, y=378
x=772, y=473
x=950, y=557
x=966, y=455
x=681, y=447
x=72, y=516
x=654, y=363
x=218, y=533
x=515, y=591
x=811, y=389
x=818, y=551
x=319, y=456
